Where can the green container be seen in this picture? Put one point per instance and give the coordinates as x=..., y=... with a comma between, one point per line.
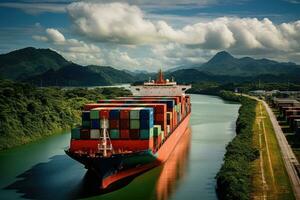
x=94, y=114
x=162, y=135
x=179, y=107
x=156, y=130
x=75, y=133
x=114, y=133
x=146, y=133
x=134, y=114
x=134, y=124
x=86, y=124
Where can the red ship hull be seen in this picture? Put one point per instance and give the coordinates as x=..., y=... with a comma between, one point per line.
x=161, y=155
x=123, y=166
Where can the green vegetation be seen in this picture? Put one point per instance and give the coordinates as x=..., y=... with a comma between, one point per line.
x=45, y=67
x=28, y=113
x=29, y=61
x=214, y=88
x=234, y=177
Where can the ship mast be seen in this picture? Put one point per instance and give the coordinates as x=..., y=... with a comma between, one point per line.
x=105, y=144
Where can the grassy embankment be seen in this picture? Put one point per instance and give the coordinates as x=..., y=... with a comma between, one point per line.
x=28, y=113
x=234, y=177
x=270, y=179
x=253, y=167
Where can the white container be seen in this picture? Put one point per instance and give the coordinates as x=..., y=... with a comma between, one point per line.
x=95, y=133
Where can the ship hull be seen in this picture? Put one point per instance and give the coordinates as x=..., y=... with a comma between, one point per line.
x=119, y=167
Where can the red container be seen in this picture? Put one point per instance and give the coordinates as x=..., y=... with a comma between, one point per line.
x=124, y=133
x=160, y=109
x=134, y=134
x=104, y=114
x=114, y=124
x=124, y=114
x=124, y=124
x=85, y=134
x=160, y=117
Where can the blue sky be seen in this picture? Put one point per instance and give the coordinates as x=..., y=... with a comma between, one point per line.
x=140, y=34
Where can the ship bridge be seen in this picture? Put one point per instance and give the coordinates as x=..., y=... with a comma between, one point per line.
x=159, y=87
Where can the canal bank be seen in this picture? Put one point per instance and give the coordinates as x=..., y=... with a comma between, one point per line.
x=38, y=170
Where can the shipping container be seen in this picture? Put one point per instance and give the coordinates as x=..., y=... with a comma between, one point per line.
x=75, y=133
x=124, y=114
x=85, y=134
x=85, y=115
x=94, y=114
x=156, y=130
x=134, y=124
x=86, y=124
x=114, y=133
x=124, y=133
x=146, y=133
x=95, y=123
x=114, y=114
x=95, y=133
x=124, y=124
x=134, y=133
x=135, y=113
x=114, y=123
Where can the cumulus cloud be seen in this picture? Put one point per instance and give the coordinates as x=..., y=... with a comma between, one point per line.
x=117, y=23
x=55, y=36
x=128, y=25
x=82, y=53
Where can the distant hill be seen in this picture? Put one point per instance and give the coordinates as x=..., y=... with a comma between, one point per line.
x=29, y=61
x=225, y=64
x=48, y=68
x=77, y=75
x=184, y=67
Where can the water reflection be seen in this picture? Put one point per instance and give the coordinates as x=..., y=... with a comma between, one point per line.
x=64, y=180
x=174, y=169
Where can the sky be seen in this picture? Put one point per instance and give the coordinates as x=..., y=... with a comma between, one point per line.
x=150, y=35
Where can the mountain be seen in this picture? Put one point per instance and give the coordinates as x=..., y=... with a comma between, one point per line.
x=77, y=75
x=29, y=61
x=225, y=64
x=46, y=67
x=183, y=67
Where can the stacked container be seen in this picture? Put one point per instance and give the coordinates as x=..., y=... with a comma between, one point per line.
x=133, y=123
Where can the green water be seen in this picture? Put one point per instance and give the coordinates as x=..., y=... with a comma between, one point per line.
x=41, y=170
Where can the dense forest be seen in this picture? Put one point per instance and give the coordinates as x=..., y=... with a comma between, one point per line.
x=28, y=113
x=214, y=88
x=234, y=177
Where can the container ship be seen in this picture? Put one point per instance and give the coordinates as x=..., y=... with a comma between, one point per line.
x=124, y=137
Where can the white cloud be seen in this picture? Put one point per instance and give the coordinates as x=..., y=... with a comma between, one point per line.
x=196, y=41
x=55, y=36
x=128, y=25
x=82, y=53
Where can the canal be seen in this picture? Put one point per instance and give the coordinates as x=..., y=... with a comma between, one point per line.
x=41, y=170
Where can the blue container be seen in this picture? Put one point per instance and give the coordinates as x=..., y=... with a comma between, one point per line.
x=85, y=115
x=95, y=123
x=114, y=114
x=146, y=114
x=146, y=124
